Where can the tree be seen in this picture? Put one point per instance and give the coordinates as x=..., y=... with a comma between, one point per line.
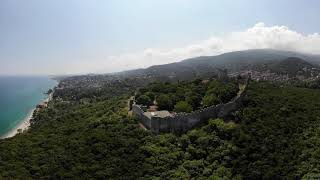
x=143, y=90
x=228, y=92
x=49, y=91
x=182, y=106
x=151, y=95
x=214, y=84
x=210, y=100
x=224, y=92
x=174, y=98
x=164, y=102
x=144, y=100
x=157, y=87
x=194, y=100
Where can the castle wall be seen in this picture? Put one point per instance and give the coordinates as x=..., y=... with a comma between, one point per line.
x=137, y=111
x=185, y=121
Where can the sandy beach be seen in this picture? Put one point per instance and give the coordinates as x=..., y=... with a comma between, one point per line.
x=25, y=123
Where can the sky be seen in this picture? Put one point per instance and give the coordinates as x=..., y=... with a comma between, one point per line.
x=53, y=37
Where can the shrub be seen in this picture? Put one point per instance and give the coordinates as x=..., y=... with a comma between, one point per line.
x=164, y=102
x=151, y=95
x=210, y=100
x=182, y=106
x=194, y=100
x=144, y=100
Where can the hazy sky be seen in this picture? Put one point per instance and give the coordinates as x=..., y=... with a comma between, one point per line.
x=83, y=36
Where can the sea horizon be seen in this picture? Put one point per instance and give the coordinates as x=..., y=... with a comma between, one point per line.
x=19, y=95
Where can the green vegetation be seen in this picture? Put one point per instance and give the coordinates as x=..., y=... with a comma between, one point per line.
x=164, y=102
x=201, y=153
x=206, y=66
x=144, y=99
x=276, y=135
x=197, y=94
x=291, y=66
x=70, y=140
x=210, y=99
x=280, y=133
x=182, y=106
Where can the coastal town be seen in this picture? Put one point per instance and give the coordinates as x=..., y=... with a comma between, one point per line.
x=314, y=74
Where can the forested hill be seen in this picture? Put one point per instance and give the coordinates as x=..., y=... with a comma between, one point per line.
x=233, y=62
x=292, y=66
x=86, y=133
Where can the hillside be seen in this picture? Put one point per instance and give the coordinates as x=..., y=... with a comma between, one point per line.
x=209, y=65
x=274, y=136
x=292, y=66
x=86, y=131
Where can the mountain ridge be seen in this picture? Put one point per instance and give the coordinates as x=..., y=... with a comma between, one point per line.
x=232, y=61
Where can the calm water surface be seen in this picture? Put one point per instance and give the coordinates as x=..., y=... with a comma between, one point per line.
x=18, y=96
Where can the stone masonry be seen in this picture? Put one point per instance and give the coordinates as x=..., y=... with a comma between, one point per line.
x=181, y=122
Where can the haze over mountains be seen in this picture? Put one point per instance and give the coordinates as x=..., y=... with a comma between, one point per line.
x=256, y=59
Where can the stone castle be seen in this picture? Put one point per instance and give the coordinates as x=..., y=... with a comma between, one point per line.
x=163, y=121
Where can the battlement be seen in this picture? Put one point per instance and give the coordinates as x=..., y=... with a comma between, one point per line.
x=181, y=122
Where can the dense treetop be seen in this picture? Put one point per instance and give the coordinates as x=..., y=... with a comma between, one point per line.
x=195, y=94
x=275, y=135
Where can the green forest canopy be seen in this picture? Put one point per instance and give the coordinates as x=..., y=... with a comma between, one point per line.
x=275, y=136
x=197, y=94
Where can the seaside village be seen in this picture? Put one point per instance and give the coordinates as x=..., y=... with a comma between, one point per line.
x=44, y=104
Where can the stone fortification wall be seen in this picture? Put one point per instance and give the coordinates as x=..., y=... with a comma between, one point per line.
x=146, y=121
x=185, y=121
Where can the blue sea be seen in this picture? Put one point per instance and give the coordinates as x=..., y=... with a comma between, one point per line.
x=19, y=96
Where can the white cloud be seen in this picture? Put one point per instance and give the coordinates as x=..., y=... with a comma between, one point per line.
x=256, y=37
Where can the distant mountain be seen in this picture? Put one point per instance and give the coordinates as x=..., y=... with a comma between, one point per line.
x=292, y=66
x=253, y=56
x=233, y=62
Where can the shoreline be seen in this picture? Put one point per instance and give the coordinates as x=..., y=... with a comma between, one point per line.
x=24, y=124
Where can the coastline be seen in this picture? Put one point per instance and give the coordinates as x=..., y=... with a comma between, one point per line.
x=24, y=124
